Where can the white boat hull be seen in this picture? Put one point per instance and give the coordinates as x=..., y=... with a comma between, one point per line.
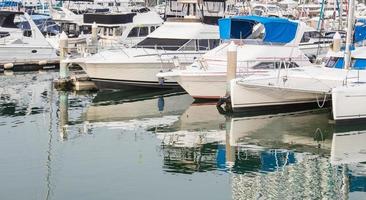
x=203, y=86
x=129, y=74
x=25, y=54
x=246, y=97
x=348, y=103
x=138, y=70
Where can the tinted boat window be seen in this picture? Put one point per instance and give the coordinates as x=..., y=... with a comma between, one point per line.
x=144, y=31
x=274, y=65
x=134, y=32
x=162, y=43
x=203, y=44
x=152, y=29
x=264, y=65
x=331, y=62
x=214, y=43
x=305, y=37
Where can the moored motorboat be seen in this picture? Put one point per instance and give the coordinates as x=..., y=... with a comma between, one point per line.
x=206, y=78
x=178, y=42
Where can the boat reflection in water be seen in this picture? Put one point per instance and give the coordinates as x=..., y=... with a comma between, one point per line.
x=24, y=93
x=124, y=110
x=274, y=156
x=349, y=153
x=109, y=106
x=195, y=143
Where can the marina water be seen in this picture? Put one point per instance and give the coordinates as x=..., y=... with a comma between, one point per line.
x=163, y=145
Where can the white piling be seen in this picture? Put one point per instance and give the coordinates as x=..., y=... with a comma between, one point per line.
x=231, y=64
x=8, y=66
x=337, y=42
x=94, y=38
x=64, y=71
x=350, y=23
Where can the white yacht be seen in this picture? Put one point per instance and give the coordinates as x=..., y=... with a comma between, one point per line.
x=26, y=46
x=342, y=77
x=179, y=41
x=206, y=78
x=307, y=85
x=114, y=28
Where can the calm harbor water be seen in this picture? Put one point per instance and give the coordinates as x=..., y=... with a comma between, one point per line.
x=154, y=145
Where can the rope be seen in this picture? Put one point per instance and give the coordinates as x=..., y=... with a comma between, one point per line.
x=324, y=100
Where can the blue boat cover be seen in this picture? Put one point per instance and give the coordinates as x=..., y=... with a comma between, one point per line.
x=277, y=30
x=360, y=31
x=339, y=64
x=358, y=64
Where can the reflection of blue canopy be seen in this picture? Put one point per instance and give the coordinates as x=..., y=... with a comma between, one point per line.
x=277, y=30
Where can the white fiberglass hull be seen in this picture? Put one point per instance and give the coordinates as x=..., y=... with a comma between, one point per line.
x=23, y=54
x=348, y=103
x=202, y=86
x=137, y=71
x=308, y=85
x=246, y=97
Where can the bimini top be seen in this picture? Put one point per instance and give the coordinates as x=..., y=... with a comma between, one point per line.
x=277, y=30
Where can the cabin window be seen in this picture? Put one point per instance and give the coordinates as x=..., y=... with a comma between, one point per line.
x=265, y=65
x=118, y=4
x=203, y=45
x=190, y=46
x=275, y=65
x=213, y=43
x=110, y=4
x=315, y=34
x=153, y=28
x=331, y=62
x=134, y=32
x=4, y=34
x=27, y=33
x=162, y=43
x=305, y=38
x=144, y=31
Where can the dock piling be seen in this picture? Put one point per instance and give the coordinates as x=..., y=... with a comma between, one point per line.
x=232, y=59
x=231, y=65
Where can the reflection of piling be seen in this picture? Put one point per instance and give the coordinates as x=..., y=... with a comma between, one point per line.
x=230, y=149
x=345, y=182
x=64, y=114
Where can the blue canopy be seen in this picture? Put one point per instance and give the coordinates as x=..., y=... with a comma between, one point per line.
x=360, y=31
x=278, y=30
x=358, y=64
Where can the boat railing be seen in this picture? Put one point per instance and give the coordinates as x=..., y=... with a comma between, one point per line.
x=246, y=68
x=257, y=42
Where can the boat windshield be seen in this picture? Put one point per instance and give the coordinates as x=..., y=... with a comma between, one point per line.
x=162, y=43
x=179, y=44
